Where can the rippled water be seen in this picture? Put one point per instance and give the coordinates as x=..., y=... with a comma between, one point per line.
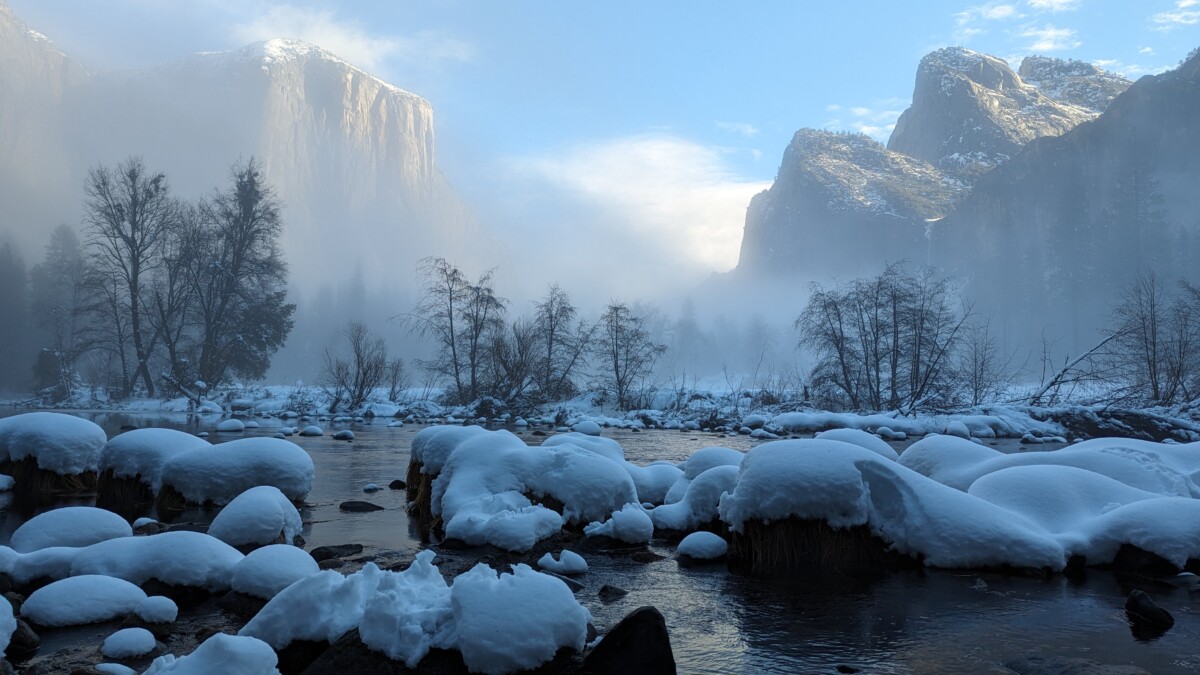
x=932, y=622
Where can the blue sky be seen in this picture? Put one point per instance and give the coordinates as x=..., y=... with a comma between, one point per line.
x=657, y=120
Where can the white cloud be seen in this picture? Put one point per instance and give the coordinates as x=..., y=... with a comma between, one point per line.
x=656, y=196
x=1181, y=15
x=877, y=121
x=973, y=20
x=1146, y=50
x=1131, y=71
x=744, y=128
x=350, y=40
x=1054, y=5
x=1049, y=38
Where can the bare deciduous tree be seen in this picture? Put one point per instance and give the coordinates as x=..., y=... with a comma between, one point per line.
x=350, y=380
x=625, y=352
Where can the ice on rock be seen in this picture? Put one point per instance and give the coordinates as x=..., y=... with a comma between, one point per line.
x=631, y=525
x=179, y=558
x=568, y=562
x=700, y=501
x=82, y=599
x=219, y=473
x=265, y=572
x=846, y=485
x=221, y=653
x=72, y=526
x=62, y=444
x=514, y=621
x=128, y=643
x=862, y=439
x=410, y=613
x=703, y=546
x=260, y=515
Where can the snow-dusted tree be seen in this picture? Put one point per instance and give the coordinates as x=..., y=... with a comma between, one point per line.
x=128, y=212
x=561, y=344
x=238, y=279
x=350, y=379
x=624, y=353
x=982, y=371
x=444, y=292
x=482, y=319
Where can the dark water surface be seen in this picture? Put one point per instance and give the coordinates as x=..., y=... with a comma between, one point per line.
x=931, y=622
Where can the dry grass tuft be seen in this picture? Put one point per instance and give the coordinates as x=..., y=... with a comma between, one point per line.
x=788, y=546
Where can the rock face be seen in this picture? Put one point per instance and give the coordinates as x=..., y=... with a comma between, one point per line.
x=972, y=112
x=840, y=200
x=350, y=156
x=1075, y=82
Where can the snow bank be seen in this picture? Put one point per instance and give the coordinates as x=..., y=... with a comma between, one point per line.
x=568, y=562
x=62, y=444
x=82, y=599
x=481, y=491
x=265, y=572
x=141, y=453
x=700, y=500
x=703, y=546
x=219, y=473
x=260, y=515
x=984, y=422
x=73, y=526
x=179, y=558
x=221, y=653
x=631, y=525
x=514, y=621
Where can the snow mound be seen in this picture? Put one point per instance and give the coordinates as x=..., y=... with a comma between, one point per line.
x=8, y=625
x=605, y=447
x=265, y=572
x=651, y=482
x=703, y=546
x=232, y=425
x=128, y=643
x=157, y=609
x=73, y=526
x=62, y=444
x=323, y=606
x=6, y=482
x=846, y=486
x=115, y=669
x=221, y=653
x=53, y=563
x=260, y=515
x=178, y=558
x=706, y=458
x=700, y=501
x=482, y=490
x=863, y=440
x=222, y=472
x=569, y=562
x=141, y=453
x=431, y=446
x=586, y=427
x=631, y=525
x=410, y=613
x=514, y=621
x=82, y=599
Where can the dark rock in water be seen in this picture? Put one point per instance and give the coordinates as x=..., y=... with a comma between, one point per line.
x=609, y=594
x=846, y=669
x=331, y=563
x=5, y=583
x=340, y=551
x=6, y=668
x=349, y=655
x=15, y=599
x=397, y=485
x=298, y=655
x=646, y=557
x=539, y=432
x=184, y=596
x=128, y=427
x=1076, y=569
x=241, y=605
x=1061, y=665
x=24, y=641
x=638, y=644
x=356, y=506
x=1134, y=560
x=1146, y=619
x=575, y=586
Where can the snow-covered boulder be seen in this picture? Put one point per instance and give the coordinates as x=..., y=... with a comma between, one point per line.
x=47, y=563
x=259, y=516
x=631, y=524
x=569, y=562
x=605, y=447
x=862, y=439
x=410, y=613
x=587, y=427
x=266, y=571
x=221, y=653
x=700, y=501
x=431, y=446
x=312, y=430
x=8, y=625
x=128, y=643
x=82, y=599
x=72, y=526
x=222, y=472
x=323, y=606
x=157, y=609
x=232, y=425
x=703, y=546
x=178, y=558
x=62, y=444
x=131, y=464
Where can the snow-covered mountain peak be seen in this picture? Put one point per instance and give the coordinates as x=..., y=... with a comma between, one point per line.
x=1074, y=82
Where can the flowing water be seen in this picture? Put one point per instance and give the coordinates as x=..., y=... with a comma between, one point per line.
x=721, y=622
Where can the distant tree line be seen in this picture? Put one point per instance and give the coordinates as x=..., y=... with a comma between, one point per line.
x=161, y=295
